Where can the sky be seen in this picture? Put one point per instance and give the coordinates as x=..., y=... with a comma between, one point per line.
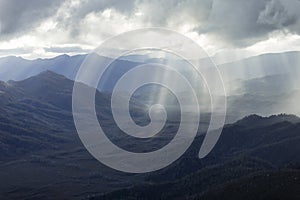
x=226, y=29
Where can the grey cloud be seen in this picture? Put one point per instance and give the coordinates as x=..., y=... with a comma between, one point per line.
x=96, y=6
x=17, y=16
x=73, y=49
x=239, y=22
x=78, y=13
x=15, y=51
x=160, y=12
x=275, y=15
x=243, y=23
x=157, y=12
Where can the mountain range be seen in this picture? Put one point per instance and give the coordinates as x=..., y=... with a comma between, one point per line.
x=17, y=68
x=42, y=156
x=265, y=84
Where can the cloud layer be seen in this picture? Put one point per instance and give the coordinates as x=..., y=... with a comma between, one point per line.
x=19, y=16
x=69, y=23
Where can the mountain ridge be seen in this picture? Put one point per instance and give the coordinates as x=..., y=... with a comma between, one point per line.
x=37, y=133
x=70, y=65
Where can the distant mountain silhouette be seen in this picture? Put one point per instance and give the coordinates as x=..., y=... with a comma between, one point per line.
x=264, y=85
x=17, y=68
x=261, y=66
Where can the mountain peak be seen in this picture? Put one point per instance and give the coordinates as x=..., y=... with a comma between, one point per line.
x=45, y=82
x=256, y=120
x=45, y=76
x=49, y=73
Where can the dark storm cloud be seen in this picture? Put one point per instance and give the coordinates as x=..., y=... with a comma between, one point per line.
x=237, y=22
x=243, y=23
x=17, y=16
x=276, y=15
